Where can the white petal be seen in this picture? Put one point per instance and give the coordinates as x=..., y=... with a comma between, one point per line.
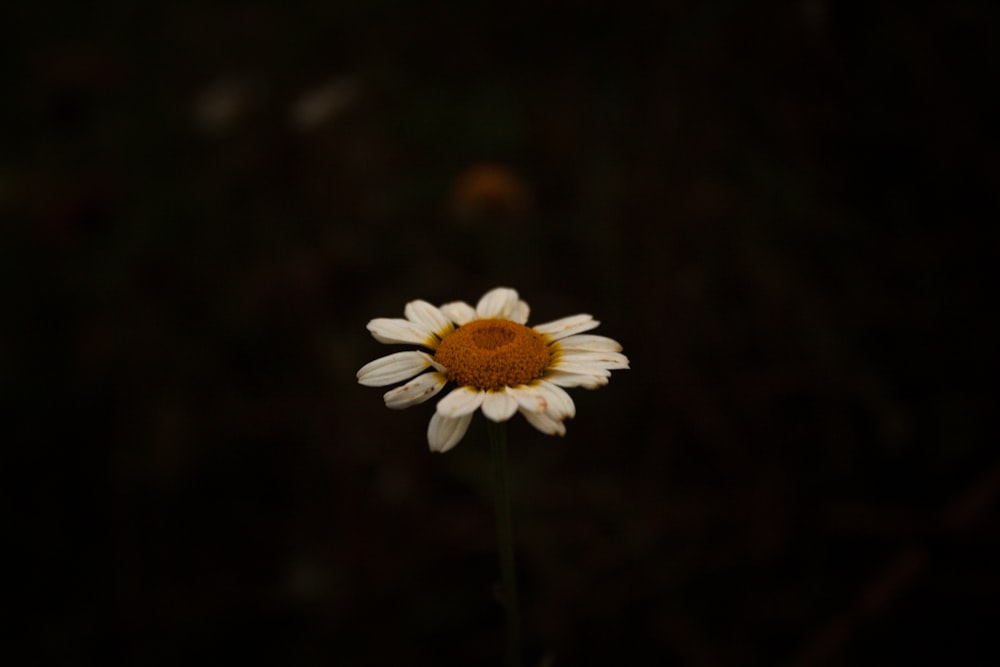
x=435, y=364
x=417, y=390
x=393, y=368
x=596, y=370
x=529, y=399
x=428, y=316
x=459, y=312
x=443, y=433
x=544, y=423
x=499, y=406
x=598, y=360
x=560, y=404
x=567, y=326
x=461, y=401
x=590, y=343
x=564, y=379
x=393, y=330
x=497, y=303
x=544, y=397
x=519, y=313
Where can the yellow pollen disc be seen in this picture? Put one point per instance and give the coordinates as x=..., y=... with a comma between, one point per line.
x=491, y=354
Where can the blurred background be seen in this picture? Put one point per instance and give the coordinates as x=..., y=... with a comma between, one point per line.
x=784, y=211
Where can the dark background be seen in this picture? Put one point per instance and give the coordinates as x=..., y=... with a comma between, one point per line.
x=784, y=211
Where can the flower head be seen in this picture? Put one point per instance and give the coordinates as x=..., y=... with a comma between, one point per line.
x=494, y=360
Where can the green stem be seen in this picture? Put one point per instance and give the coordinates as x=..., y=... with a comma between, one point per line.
x=505, y=542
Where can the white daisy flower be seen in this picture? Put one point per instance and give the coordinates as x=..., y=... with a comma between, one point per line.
x=496, y=363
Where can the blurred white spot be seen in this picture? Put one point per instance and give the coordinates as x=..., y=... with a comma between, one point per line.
x=223, y=103
x=318, y=106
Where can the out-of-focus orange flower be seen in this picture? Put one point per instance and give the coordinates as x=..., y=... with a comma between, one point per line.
x=489, y=190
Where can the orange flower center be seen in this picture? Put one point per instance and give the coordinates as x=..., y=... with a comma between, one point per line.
x=491, y=354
